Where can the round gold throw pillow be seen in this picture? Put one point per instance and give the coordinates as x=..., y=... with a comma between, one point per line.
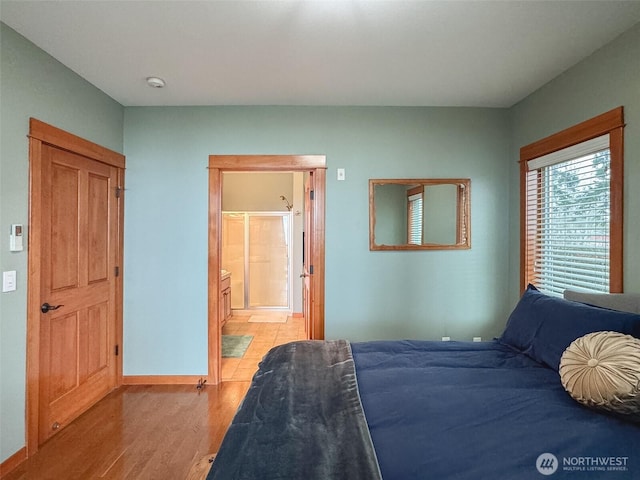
x=602, y=370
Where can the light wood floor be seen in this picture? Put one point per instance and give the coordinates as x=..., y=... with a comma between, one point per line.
x=265, y=337
x=156, y=432
x=138, y=432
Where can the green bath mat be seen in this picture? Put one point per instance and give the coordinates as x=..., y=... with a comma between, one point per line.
x=234, y=346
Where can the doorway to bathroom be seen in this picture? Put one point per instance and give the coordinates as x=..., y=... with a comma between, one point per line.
x=312, y=205
x=257, y=249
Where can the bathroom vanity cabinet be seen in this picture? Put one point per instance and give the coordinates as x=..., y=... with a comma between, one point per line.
x=225, y=297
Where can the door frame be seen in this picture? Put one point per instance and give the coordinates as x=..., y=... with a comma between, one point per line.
x=40, y=134
x=316, y=164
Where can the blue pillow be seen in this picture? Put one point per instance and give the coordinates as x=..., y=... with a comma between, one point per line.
x=542, y=327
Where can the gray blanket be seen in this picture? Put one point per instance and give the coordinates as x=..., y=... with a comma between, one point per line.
x=301, y=419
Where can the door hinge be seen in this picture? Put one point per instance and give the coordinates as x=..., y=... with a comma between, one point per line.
x=312, y=195
x=118, y=191
x=117, y=271
x=311, y=269
x=117, y=350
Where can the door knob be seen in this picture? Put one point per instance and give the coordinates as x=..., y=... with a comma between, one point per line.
x=45, y=307
x=304, y=275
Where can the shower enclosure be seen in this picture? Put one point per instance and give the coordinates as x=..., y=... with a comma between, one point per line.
x=256, y=249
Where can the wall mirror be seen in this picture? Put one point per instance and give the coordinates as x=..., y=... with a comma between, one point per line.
x=420, y=214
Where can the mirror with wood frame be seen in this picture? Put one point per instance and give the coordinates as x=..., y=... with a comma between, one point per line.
x=420, y=214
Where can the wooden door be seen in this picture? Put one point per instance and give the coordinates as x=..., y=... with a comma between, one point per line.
x=78, y=253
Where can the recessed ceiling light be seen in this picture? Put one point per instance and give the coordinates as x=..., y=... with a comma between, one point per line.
x=155, y=82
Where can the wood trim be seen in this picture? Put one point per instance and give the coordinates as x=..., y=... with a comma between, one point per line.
x=415, y=190
x=523, y=226
x=13, y=462
x=592, y=128
x=42, y=133
x=54, y=136
x=297, y=314
x=214, y=328
x=612, y=123
x=425, y=246
x=616, y=228
x=318, y=257
x=120, y=278
x=162, y=379
x=33, y=295
x=261, y=163
x=463, y=221
x=421, y=181
x=372, y=214
x=239, y=163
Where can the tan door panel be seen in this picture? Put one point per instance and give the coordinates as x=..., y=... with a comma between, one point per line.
x=79, y=232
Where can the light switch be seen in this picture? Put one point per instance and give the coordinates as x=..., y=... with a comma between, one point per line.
x=341, y=174
x=9, y=281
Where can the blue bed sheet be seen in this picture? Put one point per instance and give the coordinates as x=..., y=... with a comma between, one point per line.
x=482, y=411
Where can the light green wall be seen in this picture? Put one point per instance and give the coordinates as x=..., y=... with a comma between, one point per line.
x=607, y=79
x=369, y=295
x=391, y=214
x=440, y=214
x=33, y=84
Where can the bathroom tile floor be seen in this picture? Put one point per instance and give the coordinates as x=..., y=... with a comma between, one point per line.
x=265, y=336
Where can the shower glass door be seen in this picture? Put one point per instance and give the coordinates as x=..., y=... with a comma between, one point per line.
x=268, y=260
x=259, y=261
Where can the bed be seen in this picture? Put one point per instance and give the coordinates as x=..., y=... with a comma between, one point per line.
x=408, y=409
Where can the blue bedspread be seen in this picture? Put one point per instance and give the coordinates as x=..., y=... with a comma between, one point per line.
x=300, y=420
x=481, y=411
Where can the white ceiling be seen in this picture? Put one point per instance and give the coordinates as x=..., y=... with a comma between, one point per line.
x=435, y=53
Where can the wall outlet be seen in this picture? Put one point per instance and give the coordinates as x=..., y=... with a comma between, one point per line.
x=446, y=339
x=477, y=339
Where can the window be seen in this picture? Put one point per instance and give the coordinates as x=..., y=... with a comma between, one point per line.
x=571, y=208
x=415, y=215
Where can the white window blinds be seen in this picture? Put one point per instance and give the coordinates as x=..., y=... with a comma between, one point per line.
x=568, y=218
x=415, y=219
